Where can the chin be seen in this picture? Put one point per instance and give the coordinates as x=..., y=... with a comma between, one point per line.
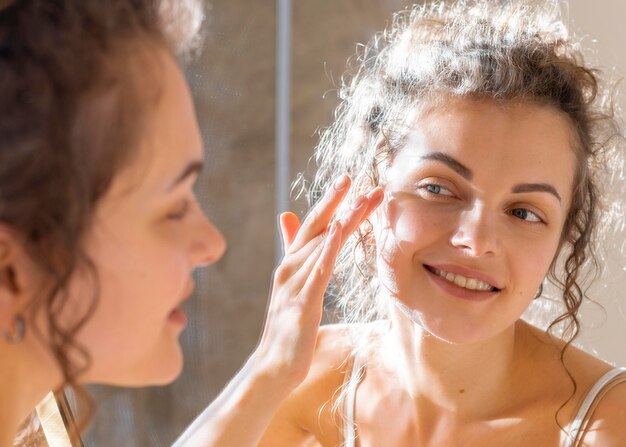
x=165, y=369
x=159, y=368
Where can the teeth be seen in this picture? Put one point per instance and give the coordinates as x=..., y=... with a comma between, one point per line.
x=459, y=280
x=462, y=281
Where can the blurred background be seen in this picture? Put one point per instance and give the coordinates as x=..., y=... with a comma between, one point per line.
x=247, y=178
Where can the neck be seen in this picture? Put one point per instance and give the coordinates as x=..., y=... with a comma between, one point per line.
x=23, y=384
x=464, y=382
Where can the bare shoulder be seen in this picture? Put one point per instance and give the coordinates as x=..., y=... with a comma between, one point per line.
x=307, y=416
x=607, y=426
x=584, y=368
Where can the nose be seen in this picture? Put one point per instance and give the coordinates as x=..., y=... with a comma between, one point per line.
x=208, y=244
x=476, y=233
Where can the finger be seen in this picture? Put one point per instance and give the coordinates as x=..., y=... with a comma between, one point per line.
x=289, y=226
x=355, y=217
x=293, y=262
x=312, y=292
x=300, y=275
x=300, y=265
x=319, y=217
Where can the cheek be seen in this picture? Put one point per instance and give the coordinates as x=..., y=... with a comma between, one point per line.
x=404, y=227
x=141, y=279
x=533, y=260
x=407, y=224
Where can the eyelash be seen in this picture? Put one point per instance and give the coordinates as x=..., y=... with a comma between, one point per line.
x=539, y=220
x=181, y=212
x=429, y=186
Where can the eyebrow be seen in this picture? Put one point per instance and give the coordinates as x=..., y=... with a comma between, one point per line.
x=536, y=187
x=467, y=173
x=193, y=168
x=455, y=165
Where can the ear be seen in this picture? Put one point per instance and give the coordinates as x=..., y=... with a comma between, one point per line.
x=15, y=267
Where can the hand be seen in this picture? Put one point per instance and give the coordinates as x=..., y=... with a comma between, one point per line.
x=295, y=309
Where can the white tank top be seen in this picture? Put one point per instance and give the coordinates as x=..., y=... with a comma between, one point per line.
x=576, y=430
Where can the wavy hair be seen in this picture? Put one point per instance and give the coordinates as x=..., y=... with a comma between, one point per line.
x=500, y=51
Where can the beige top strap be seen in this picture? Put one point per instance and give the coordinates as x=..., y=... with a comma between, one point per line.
x=578, y=426
x=349, y=425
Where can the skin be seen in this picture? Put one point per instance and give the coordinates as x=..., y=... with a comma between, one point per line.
x=148, y=235
x=461, y=371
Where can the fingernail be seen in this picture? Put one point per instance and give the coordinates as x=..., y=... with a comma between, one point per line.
x=375, y=195
x=341, y=183
x=358, y=203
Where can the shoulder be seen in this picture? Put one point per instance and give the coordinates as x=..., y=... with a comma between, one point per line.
x=335, y=347
x=332, y=362
x=563, y=381
x=584, y=368
x=310, y=411
x=607, y=425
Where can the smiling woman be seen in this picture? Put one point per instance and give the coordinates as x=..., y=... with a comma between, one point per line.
x=465, y=205
x=491, y=138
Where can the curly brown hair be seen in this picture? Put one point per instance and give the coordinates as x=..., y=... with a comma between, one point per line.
x=72, y=114
x=500, y=51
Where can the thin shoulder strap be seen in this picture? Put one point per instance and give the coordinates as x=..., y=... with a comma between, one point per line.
x=349, y=427
x=586, y=409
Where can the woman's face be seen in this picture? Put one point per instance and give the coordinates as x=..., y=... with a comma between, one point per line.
x=476, y=200
x=148, y=236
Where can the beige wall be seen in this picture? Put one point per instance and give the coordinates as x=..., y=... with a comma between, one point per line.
x=604, y=21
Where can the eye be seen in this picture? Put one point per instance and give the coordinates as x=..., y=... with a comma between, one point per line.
x=435, y=189
x=526, y=215
x=180, y=212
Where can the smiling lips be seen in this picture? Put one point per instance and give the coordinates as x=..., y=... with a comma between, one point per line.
x=462, y=281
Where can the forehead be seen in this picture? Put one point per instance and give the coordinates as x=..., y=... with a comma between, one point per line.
x=170, y=139
x=518, y=141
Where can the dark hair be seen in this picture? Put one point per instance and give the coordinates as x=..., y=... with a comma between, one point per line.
x=72, y=113
x=501, y=51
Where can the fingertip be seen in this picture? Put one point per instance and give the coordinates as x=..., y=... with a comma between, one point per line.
x=286, y=216
x=376, y=196
x=341, y=183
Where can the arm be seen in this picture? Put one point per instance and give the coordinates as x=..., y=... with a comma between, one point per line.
x=241, y=413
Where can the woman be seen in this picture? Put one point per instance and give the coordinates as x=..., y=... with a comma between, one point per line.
x=99, y=226
x=490, y=139
x=488, y=135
